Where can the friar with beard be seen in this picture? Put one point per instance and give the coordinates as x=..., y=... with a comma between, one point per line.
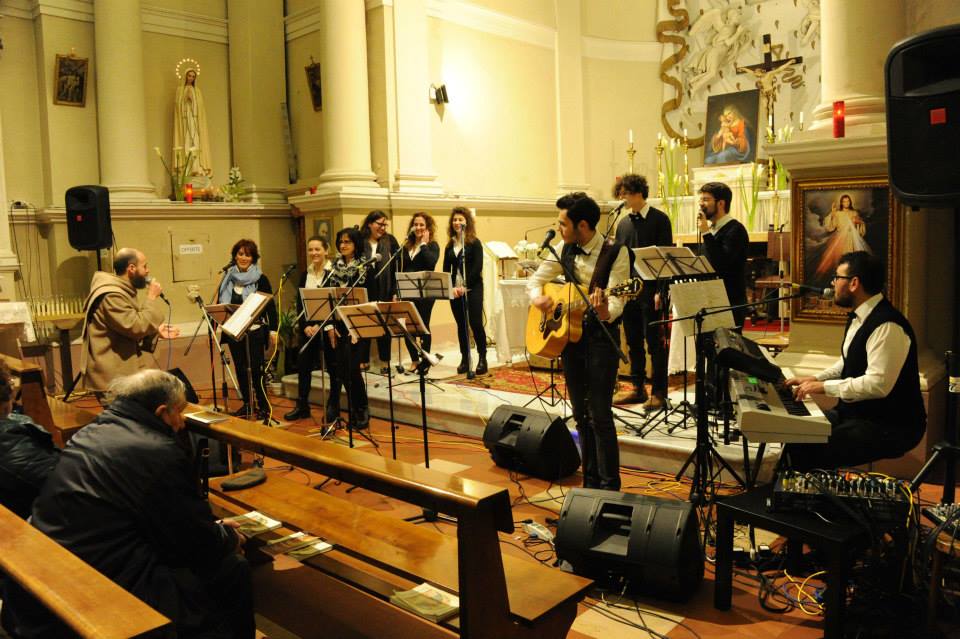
x=119, y=331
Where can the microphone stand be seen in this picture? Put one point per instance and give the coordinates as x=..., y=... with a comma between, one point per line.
x=611, y=225
x=466, y=304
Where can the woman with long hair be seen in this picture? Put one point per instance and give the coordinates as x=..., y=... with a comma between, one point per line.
x=421, y=252
x=239, y=281
x=463, y=259
x=378, y=243
x=318, y=268
x=338, y=348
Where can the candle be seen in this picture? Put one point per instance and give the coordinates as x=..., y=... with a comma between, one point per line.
x=801, y=120
x=770, y=120
x=630, y=136
x=839, y=119
x=684, y=132
x=188, y=193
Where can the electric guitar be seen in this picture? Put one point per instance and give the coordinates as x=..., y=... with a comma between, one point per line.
x=548, y=332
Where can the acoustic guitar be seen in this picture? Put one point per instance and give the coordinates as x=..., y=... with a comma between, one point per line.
x=548, y=332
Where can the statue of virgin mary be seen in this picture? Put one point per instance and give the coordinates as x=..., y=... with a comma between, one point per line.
x=190, y=123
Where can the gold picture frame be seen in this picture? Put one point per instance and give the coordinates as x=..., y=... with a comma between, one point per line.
x=70, y=81
x=834, y=216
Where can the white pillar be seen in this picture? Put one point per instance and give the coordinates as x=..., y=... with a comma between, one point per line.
x=415, y=173
x=346, y=108
x=121, y=106
x=9, y=263
x=571, y=149
x=856, y=36
x=257, y=91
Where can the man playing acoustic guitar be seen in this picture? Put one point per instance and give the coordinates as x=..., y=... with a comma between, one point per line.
x=589, y=364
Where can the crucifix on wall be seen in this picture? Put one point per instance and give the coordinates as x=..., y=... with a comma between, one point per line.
x=768, y=73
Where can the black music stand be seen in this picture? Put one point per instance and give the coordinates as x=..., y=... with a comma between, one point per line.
x=319, y=302
x=214, y=315
x=237, y=326
x=323, y=302
x=424, y=285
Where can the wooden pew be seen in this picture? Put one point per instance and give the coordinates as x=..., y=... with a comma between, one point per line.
x=500, y=596
x=60, y=419
x=88, y=602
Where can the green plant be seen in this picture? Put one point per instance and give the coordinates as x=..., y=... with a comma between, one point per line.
x=674, y=184
x=232, y=191
x=750, y=203
x=285, y=334
x=178, y=173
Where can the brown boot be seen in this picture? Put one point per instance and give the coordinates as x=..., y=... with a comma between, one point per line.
x=631, y=395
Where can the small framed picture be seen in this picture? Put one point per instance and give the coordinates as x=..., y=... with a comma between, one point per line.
x=835, y=216
x=313, y=82
x=71, y=81
x=731, y=136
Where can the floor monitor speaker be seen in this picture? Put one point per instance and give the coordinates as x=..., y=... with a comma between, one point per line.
x=651, y=542
x=88, y=217
x=531, y=442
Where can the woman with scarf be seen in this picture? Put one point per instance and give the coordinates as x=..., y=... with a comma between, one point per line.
x=240, y=280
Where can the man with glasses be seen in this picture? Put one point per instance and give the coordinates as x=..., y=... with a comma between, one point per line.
x=725, y=242
x=880, y=412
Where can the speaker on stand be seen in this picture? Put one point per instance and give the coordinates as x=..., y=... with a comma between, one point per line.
x=531, y=442
x=650, y=543
x=88, y=218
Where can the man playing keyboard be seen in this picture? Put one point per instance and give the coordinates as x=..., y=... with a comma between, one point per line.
x=880, y=412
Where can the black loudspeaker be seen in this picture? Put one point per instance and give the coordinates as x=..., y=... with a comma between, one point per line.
x=531, y=442
x=922, y=76
x=651, y=542
x=191, y=394
x=88, y=217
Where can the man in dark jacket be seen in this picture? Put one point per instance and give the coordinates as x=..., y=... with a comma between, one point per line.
x=27, y=453
x=726, y=243
x=124, y=498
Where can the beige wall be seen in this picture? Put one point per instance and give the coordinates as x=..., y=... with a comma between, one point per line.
x=498, y=134
x=306, y=125
x=629, y=20
x=540, y=12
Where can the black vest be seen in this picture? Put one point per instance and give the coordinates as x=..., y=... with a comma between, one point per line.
x=601, y=271
x=903, y=407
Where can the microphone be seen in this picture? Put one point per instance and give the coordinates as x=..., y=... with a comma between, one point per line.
x=193, y=292
x=825, y=291
x=288, y=271
x=162, y=296
x=547, y=238
x=434, y=360
x=366, y=261
x=226, y=266
x=412, y=237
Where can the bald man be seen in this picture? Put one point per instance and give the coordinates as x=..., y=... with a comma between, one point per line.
x=118, y=331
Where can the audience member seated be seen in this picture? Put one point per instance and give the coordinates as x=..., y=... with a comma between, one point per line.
x=27, y=453
x=124, y=499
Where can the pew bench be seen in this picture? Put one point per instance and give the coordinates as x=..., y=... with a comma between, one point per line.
x=86, y=601
x=375, y=554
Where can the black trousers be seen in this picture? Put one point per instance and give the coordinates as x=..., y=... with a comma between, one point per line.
x=306, y=362
x=238, y=350
x=383, y=349
x=425, y=308
x=637, y=316
x=343, y=367
x=590, y=370
x=217, y=605
x=853, y=441
x=473, y=314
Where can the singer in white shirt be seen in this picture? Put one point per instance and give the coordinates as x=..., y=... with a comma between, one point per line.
x=880, y=412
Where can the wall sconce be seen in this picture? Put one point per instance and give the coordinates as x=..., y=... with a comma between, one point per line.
x=438, y=94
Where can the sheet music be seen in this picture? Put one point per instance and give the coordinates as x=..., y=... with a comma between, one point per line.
x=436, y=285
x=220, y=312
x=501, y=250
x=690, y=297
x=317, y=302
x=650, y=264
x=363, y=320
x=246, y=314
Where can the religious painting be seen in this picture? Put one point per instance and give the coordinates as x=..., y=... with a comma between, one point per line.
x=70, y=81
x=731, y=128
x=313, y=82
x=835, y=216
x=321, y=228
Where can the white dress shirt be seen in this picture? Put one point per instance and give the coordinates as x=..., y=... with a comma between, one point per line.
x=643, y=211
x=887, y=349
x=583, y=266
x=719, y=223
x=314, y=279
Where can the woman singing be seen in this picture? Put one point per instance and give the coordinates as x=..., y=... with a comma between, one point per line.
x=347, y=271
x=314, y=277
x=463, y=259
x=421, y=253
x=381, y=245
x=241, y=279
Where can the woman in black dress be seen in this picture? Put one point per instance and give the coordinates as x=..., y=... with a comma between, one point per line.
x=463, y=259
x=380, y=244
x=347, y=271
x=318, y=268
x=420, y=253
x=239, y=281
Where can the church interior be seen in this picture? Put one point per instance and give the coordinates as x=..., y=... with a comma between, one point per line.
x=179, y=128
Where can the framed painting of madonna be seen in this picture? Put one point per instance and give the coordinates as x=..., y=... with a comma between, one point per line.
x=835, y=216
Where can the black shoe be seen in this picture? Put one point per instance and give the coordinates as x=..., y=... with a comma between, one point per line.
x=300, y=411
x=462, y=368
x=242, y=411
x=361, y=419
x=482, y=366
x=385, y=371
x=332, y=412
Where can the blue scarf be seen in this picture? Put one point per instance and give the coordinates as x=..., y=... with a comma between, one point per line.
x=235, y=277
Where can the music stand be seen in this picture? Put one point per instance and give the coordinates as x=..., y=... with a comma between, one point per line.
x=237, y=326
x=323, y=302
x=424, y=285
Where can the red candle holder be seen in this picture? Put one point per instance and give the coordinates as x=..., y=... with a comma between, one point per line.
x=188, y=193
x=839, y=119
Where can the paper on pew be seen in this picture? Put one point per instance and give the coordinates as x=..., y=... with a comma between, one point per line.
x=253, y=523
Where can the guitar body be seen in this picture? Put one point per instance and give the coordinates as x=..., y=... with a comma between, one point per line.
x=548, y=333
